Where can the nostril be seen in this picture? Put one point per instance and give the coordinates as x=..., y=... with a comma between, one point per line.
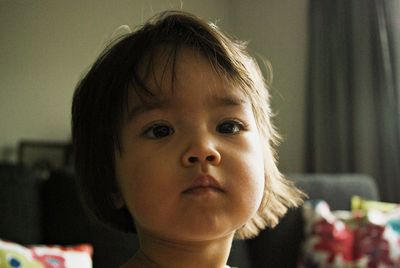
x=210, y=158
x=192, y=159
x=195, y=159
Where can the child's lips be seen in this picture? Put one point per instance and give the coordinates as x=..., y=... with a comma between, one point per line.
x=204, y=184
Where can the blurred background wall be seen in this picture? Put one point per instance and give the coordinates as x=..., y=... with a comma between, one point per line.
x=46, y=46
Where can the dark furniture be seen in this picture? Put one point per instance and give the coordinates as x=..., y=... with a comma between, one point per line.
x=48, y=211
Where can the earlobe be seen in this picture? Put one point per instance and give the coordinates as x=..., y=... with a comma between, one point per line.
x=117, y=200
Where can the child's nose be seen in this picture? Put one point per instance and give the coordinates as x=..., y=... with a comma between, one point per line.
x=201, y=154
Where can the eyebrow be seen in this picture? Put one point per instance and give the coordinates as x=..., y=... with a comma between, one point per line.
x=227, y=101
x=215, y=101
x=141, y=108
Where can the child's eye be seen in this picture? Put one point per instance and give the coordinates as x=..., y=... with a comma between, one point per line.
x=158, y=131
x=230, y=126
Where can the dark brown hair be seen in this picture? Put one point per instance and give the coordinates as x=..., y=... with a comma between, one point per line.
x=100, y=101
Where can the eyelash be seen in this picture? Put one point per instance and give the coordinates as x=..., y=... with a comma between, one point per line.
x=148, y=134
x=238, y=125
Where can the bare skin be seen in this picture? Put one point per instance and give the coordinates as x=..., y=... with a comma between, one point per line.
x=157, y=253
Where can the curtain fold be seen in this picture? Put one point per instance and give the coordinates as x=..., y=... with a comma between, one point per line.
x=353, y=105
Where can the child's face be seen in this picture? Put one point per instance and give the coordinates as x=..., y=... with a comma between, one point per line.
x=203, y=133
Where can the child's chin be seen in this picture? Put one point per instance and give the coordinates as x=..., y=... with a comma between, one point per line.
x=206, y=234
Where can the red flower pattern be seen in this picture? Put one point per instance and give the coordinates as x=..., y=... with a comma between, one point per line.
x=371, y=243
x=333, y=241
x=355, y=242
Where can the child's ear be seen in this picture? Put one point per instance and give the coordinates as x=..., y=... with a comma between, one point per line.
x=117, y=200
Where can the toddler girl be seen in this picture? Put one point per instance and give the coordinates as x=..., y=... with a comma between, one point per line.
x=173, y=140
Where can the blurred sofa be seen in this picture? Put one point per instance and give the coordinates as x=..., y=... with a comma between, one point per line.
x=48, y=211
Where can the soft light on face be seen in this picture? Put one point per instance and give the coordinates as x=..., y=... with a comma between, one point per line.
x=191, y=166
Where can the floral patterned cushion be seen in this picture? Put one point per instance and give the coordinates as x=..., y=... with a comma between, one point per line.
x=13, y=255
x=361, y=238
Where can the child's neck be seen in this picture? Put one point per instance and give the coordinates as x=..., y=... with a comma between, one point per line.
x=165, y=254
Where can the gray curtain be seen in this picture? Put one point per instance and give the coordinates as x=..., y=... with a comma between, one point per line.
x=353, y=96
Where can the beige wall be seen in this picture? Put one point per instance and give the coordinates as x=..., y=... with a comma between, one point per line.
x=277, y=30
x=46, y=45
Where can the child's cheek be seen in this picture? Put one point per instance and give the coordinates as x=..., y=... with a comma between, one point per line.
x=247, y=167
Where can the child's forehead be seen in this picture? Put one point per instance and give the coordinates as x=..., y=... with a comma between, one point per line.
x=173, y=99
x=166, y=73
x=166, y=64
